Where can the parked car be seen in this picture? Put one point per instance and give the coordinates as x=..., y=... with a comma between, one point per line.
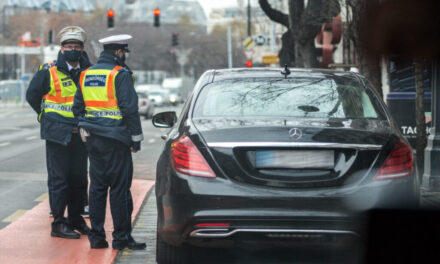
x=277, y=157
x=146, y=107
x=174, y=97
x=158, y=98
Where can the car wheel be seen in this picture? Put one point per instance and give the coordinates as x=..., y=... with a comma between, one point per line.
x=168, y=254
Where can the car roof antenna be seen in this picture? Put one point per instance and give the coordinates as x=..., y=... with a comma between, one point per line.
x=286, y=71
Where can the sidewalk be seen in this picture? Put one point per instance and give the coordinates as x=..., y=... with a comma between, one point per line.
x=28, y=239
x=144, y=231
x=430, y=200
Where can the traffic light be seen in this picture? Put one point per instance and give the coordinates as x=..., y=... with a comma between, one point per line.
x=156, y=13
x=175, y=40
x=50, y=37
x=249, y=63
x=110, y=18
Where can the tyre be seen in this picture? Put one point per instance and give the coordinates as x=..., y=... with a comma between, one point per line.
x=168, y=254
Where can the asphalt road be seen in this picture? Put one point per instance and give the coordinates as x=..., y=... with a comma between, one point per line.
x=23, y=172
x=23, y=185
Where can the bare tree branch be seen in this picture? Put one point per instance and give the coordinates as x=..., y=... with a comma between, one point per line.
x=274, y=14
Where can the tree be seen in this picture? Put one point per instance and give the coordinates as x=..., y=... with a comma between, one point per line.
x=420, y=114
x=369, y=62
x=304, y=22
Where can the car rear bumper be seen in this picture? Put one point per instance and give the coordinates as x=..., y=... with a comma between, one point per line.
x=191, y=208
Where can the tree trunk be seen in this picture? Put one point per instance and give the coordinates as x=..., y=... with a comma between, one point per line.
x=369, y=63
x=287, y=51
x=420, y=115
x=369, y=66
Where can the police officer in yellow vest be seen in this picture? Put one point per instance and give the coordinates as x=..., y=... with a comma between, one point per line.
x=107, y=106
x=51, y=93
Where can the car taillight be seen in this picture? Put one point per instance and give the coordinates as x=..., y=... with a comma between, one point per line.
x=398, y=164
x=187, y=159
x=144, y=102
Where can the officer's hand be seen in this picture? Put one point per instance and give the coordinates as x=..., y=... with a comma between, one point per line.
x=135, y=146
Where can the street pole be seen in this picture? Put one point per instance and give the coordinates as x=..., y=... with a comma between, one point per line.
x=182, y=58
x=273, y=47
x=23, y=68
x=431, y=176
x=249, y=18
x=229, y=47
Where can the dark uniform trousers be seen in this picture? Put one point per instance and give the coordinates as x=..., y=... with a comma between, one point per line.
x=111, y=167
x=67, y=179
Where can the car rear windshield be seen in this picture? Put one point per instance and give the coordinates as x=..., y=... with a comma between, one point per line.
x=303, y=97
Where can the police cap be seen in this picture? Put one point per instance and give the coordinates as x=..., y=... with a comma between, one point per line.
x=72, y=34
x=116, y=42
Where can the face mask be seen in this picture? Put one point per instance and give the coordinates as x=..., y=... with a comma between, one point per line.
x=72, y=55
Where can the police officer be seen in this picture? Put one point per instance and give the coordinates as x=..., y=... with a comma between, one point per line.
x=107, y=107
x=51, y=93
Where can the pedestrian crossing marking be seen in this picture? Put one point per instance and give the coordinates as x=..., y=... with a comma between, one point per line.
x=14, y=216
x=42, y=197
x=151, y=140
x=31, y=137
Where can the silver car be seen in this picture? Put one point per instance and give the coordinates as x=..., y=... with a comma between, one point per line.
x=146, y=107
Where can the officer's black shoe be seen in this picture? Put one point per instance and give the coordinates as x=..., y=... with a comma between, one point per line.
x=64, y=231
x=82, y=228
x=99, y=244
x=131, y=244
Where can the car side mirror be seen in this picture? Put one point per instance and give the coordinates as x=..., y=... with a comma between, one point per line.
x=165, y=119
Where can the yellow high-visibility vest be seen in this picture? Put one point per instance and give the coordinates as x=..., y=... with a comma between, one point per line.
x=99, y=93
x=60, y=97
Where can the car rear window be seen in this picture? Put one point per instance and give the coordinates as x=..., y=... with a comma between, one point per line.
x=338, y=97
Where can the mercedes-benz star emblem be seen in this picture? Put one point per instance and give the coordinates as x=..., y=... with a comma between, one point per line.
x=295, y=133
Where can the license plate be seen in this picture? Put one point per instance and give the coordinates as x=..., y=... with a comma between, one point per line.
x=295, y=159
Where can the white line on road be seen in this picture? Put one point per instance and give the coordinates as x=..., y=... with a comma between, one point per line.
x=4, y=144
x=151, y=141
x=31, y=137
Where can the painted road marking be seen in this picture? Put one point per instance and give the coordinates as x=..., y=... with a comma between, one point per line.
x=4, y=144
x=151, y=140
x=14, y=216
x=32, y=137
x=42, y=197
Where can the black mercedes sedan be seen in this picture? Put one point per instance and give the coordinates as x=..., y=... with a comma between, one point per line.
x=277, y=157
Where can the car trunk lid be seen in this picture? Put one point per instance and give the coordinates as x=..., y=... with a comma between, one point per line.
x=282, y=153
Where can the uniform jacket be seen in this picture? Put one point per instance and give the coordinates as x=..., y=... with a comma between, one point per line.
x=127, y=101
x=54, y=127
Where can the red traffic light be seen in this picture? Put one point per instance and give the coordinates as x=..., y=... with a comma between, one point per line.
x=110, y=13
x=156, y=12
x=248, y=63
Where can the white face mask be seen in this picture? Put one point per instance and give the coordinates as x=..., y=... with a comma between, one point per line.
x=127, y=55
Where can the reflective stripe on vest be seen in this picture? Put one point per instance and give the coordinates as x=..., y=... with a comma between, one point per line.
x=60, y=97
x=104, y=113
x=57, y=107
x=98, y=90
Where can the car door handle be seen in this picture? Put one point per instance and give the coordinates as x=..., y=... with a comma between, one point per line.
x=164, y=136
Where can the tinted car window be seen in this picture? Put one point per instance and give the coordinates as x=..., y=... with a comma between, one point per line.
x=296, y=97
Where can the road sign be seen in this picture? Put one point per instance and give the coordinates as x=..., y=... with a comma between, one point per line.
x=248, y=53
x=248, y=43
x=260, y=39
x=270, y=58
